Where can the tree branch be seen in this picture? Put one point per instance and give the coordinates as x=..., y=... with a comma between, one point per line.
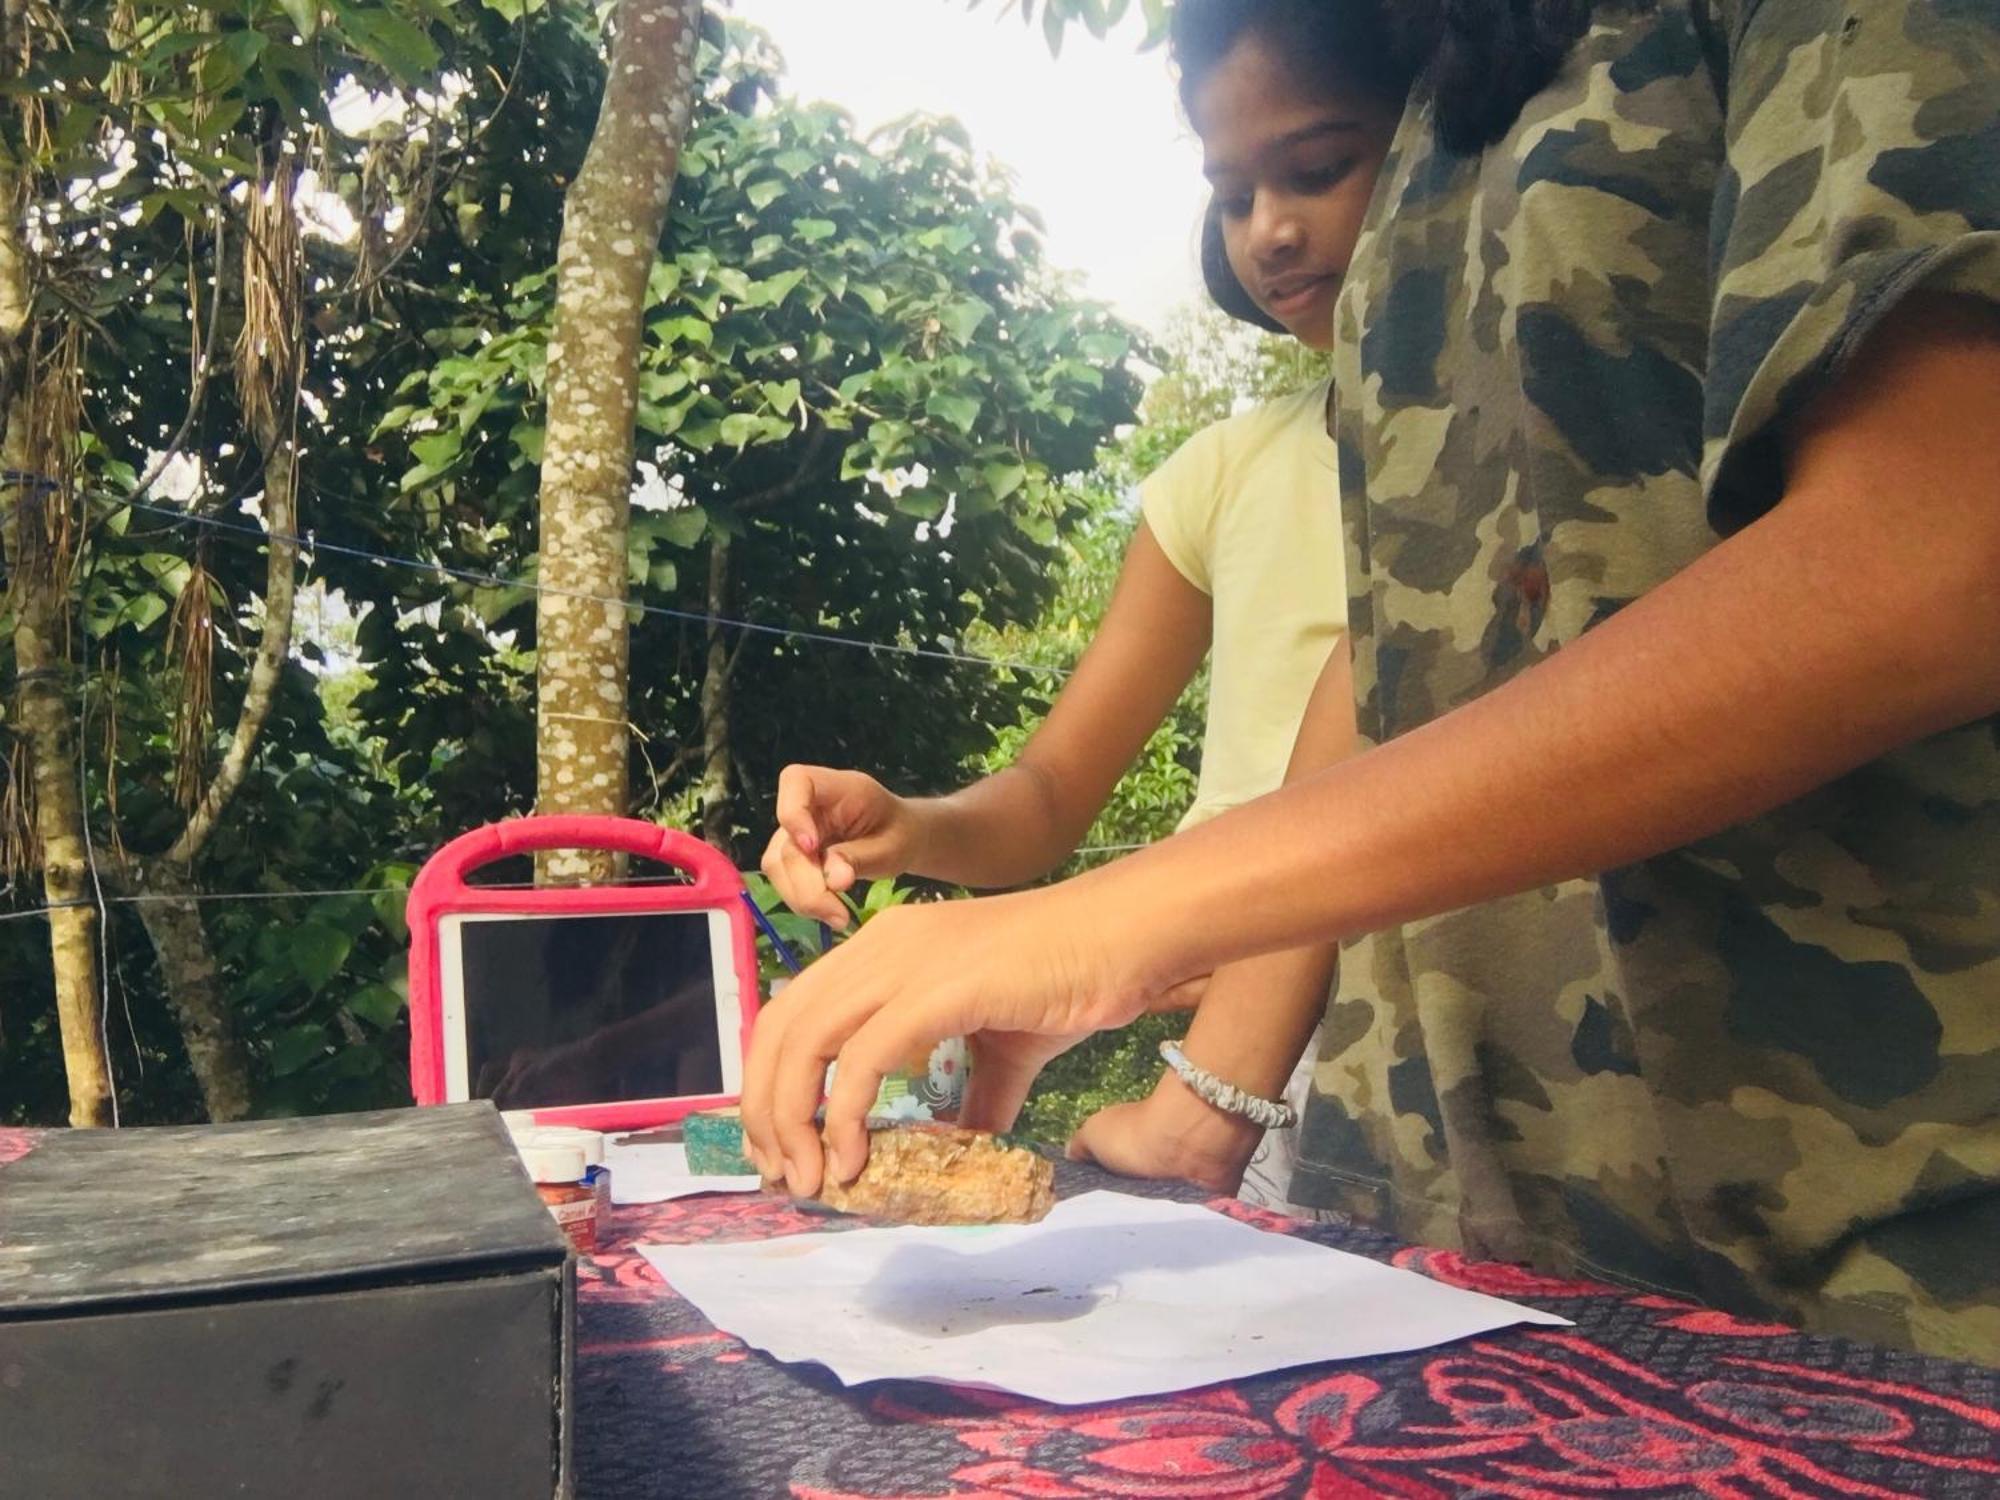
x=274, y=648
x=786, y=488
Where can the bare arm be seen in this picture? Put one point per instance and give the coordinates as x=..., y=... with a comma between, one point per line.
x=1254, y=1018
x=1018, y=824
x=1861, y=613
x=1021, y=823
x=1685, y=713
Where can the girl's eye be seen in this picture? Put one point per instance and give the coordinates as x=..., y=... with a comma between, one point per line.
x=1235, y=205
x=1321, y=179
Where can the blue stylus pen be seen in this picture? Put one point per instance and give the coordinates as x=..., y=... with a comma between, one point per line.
x=785, y=954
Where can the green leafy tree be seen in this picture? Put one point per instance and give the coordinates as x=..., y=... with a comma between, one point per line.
x=859, y=391
x=169, y=164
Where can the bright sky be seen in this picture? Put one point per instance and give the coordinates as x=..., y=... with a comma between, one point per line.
x=1094, y=138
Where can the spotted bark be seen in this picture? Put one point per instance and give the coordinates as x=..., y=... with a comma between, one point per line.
x=43, y=703
x=612, y=220
x=718, y=776
x=44, y=707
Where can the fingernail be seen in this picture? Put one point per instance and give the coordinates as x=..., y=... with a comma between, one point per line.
x=809, y=843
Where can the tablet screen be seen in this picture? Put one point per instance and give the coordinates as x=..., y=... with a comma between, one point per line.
x=543, y=1012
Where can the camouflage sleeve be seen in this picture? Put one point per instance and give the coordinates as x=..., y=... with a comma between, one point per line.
x=1863, y=163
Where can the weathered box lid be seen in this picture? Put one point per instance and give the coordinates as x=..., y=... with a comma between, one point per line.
x=95, y=1220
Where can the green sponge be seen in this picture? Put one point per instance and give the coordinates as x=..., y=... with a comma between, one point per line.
x=714, y=1140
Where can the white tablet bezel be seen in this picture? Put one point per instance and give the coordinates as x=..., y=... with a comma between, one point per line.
x=451, y=988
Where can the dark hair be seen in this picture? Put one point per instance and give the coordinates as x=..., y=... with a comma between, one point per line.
x=1479, y=61
x=1344, y=42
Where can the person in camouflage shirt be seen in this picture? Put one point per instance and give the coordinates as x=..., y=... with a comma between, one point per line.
x=1763, y=1069
x=1667, y=399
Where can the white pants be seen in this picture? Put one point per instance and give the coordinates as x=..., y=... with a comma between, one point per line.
x=1268, y=1178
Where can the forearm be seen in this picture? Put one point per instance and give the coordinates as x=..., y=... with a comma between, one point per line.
x=1831, y=631
x=1257, y=1015
x=1006, y=829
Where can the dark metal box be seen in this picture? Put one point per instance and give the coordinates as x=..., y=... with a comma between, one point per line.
x=361, y=1305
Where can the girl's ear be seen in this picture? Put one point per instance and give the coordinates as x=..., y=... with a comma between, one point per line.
x=1220, y=277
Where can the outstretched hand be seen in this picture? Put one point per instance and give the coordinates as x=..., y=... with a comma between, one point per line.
x=1021, y=977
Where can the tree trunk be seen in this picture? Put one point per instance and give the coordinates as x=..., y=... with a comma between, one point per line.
x=180, y=942
x=612, y=220
x=44, y=712
x=194, y=986
x=718, y=776
x=36, y=596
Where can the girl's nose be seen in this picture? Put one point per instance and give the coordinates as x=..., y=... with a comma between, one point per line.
x=1278, y=230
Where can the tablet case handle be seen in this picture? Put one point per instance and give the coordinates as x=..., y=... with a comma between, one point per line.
x=714, y=876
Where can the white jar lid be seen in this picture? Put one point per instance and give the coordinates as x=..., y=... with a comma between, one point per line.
x=526, y=1133
x=554, y=1162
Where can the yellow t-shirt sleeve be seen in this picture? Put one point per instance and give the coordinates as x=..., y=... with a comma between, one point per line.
x=1181, y=500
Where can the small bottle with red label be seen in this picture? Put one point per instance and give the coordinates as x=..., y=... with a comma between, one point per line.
x=562, y=1177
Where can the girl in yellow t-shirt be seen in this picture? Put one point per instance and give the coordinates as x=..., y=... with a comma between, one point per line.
x=1238, y=553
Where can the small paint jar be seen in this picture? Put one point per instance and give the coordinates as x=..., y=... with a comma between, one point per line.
x=525, y=1132
x=561, y=1177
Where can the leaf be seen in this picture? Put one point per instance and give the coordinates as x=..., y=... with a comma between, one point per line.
x=297, y=1047
x=960, y=411
x=438, y=451
x=795, y=161
x=317, y=951
x=739, y=428
x=1105, y=348
x=763, y=194
x=143, y=610
x=683, y=528
x=1003, y=479
x=377, y=1004
x=812, y=231
x=783, y=396
x=883, y=894
x=964, y=316
x=773, y=290
x=304, y=16
x=684, y=331
x=400, y=46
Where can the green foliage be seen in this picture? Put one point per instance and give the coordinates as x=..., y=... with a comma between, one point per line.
x=857, y=373
x=859, y=370
x=802, y=935
x=1113, y=1068
x=1098, y=17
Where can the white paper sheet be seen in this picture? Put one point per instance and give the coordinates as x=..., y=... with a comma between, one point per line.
x=658, y=1170
x=1109, y=1297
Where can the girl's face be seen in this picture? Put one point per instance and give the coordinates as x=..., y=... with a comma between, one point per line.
x=1292, y=169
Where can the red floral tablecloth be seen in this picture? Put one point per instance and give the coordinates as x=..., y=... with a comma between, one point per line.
x=1644, y=1395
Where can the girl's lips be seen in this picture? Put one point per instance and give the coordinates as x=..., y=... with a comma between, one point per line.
x=1296, y=297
